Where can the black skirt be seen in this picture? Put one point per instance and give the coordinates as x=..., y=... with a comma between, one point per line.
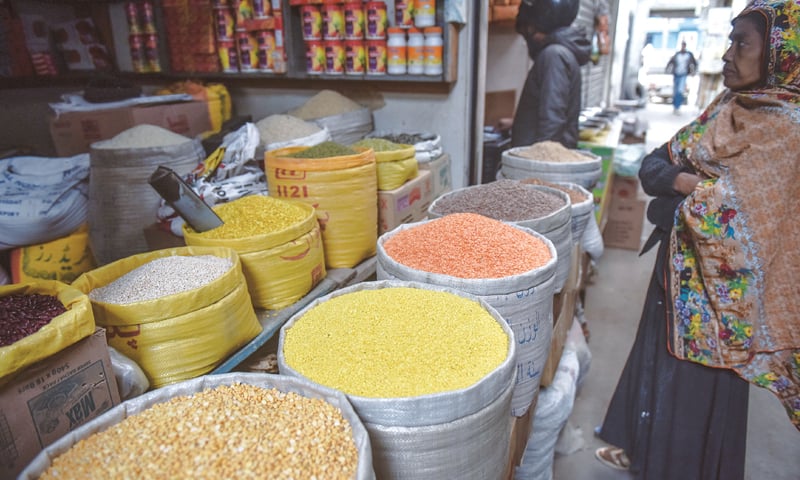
x=675, y=419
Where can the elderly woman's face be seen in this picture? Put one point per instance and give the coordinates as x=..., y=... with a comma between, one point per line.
x=744, y=58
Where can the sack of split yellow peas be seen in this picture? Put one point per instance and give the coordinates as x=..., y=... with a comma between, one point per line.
x=341, y=184
x=396, y=163
x=65, y=329
x=278, y=241
x=177, y=312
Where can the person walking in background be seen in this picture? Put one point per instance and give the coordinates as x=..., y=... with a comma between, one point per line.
x=720, y=312
x=681, y=65
x=550, y=103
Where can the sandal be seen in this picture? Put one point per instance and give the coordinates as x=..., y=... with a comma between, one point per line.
x=613, y=457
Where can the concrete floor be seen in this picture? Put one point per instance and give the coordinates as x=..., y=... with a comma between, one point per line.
x=613, y=306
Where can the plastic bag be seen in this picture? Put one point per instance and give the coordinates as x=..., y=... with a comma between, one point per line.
x=131, y=380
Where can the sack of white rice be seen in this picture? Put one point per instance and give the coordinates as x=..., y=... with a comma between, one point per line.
x=347, y=120
x=281, y=130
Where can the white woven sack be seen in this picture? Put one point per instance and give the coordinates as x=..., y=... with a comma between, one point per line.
x=129, y=408
x=434, y=436
x=121, y=200
x=552, y=412
x=556, y=226
x=581, y=212
x=349, y=127
x=43, y=198
x=584, y=174
x=308, y=141
x=525, y=301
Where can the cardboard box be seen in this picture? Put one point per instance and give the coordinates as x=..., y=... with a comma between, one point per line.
x=440, y=172
x=53, y=397
x=405, y=204
x=74, y=132
x=563, y=316
x=625, y=223
x=626, y=188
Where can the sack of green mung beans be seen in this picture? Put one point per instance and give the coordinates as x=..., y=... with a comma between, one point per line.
x=552, y=162
x=237, y=425
x=581, y=204
x=39, y=319
x=121, y=201
x=278, y=241
x=177, y=312
x=426, y=368
x=542, y=209
x=341, y=184
x=510, y=267
x=396, y=163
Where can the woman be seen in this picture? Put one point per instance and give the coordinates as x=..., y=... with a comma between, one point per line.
x=719, y=312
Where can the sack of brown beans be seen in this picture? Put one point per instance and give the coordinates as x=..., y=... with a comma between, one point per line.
x=39, y=319
x=552, y=162
x=341, y=184
x=278, y=241
x=237, y=425
x=544, y=210
x=176, y=312
x=510, y=267
x=426, y=368
x=581, y=203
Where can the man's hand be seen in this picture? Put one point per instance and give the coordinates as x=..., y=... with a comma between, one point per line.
x=685, y=183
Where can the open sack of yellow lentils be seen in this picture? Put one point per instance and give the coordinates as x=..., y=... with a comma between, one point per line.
x=425, y=368
x=234, y=426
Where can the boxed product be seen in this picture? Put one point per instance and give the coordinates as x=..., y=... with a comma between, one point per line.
x=53, y=397
x=405, y=204
x=440, y=174
x=81, y=46
x=74, y=132
x=625, y=214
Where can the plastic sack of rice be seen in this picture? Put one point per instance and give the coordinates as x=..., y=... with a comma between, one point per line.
x=278, y=241
x=177, y=312
x=341, y=184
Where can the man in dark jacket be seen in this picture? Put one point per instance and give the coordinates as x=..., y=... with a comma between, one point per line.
x=550, y=104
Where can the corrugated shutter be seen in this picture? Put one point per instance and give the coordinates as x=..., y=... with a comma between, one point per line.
x=594, y=88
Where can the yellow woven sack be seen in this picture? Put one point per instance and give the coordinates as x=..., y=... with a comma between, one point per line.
x=179, y=336
x=63, y=259
x=280, y=267
x=344, y=192
x=62, y=331
x=396, y=167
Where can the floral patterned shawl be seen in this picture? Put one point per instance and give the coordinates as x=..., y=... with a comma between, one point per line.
x=735, y=247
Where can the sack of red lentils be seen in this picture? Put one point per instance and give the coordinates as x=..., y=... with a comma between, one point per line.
x=176, y=312
x=510, y=267
x=341, y=184
x=236, y=425
x=278, y=241
x=40, y=318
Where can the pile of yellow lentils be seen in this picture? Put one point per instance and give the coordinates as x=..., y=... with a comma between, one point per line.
x=396, y=342
x=255, y=215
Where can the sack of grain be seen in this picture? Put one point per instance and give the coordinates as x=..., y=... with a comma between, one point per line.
x=281, y=131
x=435, y=374
x=178, y=313
x=237, y=425
x=59, y=333
x=544, y=210
x=279, y=243
x=581, y=204
x=552, y=162
x=346, y=120
x=428, y=146
x=510, y=267
x=342, y=189
x=396, y=163
x=121, y=201
x=44, y=198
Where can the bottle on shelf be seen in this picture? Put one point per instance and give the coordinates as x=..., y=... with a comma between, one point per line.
x=434, y=46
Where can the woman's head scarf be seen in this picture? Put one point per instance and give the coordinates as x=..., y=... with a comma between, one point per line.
x=735, y=245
